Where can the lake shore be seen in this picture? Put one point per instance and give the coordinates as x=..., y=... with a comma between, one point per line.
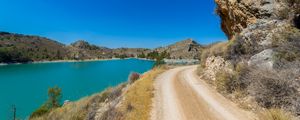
x=61, y=61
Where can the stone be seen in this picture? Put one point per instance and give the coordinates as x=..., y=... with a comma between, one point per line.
x=262, y=60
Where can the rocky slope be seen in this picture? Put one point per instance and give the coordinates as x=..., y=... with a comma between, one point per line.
x=186, y=49
x=261, y=61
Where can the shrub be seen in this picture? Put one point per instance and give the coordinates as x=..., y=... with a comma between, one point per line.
x=133, y=77
x=228, y=83
x=232, y=82
x=275, y=89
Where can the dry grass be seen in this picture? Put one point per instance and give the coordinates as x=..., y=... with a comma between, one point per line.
x=80, y=109
x=274, y=114
x=72, y=111
x=138, y=98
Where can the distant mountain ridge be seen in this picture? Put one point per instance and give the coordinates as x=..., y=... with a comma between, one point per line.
x=15, y=48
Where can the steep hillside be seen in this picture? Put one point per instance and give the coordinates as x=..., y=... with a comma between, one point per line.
x=186, y=49
x=25, y=48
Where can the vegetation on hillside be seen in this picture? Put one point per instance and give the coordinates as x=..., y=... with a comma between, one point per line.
x=21, y=48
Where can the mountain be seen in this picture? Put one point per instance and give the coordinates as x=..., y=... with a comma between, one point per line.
x=186, y=49
x=18, y=48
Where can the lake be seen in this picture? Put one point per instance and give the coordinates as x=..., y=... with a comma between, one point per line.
x=26, y=85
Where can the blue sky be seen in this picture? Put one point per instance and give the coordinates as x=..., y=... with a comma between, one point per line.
x=114, y=23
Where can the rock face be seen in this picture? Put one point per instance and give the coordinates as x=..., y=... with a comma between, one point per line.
x=260, y=26
x=239, y=14
x=187, y=49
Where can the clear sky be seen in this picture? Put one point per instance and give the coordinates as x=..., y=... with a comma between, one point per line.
x=114, y=23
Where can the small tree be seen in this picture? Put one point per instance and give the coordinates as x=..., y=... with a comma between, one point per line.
x=54, y=96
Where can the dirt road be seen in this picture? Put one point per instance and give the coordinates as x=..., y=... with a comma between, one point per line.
x=181, y=95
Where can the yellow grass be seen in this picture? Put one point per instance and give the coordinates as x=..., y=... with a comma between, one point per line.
x=72, y=111
x=274, y=114
x=138, y=99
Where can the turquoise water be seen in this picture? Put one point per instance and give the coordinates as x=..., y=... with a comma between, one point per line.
x=26, y=85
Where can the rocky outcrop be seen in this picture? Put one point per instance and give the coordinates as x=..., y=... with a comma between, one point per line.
x=186, y=49
x=262, y=60
x=239, y=14
x=214, y=65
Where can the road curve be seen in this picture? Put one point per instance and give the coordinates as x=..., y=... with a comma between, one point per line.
x=181, y=95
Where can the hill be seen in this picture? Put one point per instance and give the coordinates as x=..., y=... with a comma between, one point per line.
x=186, y=49
x=24, y=48
x=83, y=50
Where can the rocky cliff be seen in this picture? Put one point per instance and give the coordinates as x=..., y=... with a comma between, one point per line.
x=262, y=30
x=237, y=15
